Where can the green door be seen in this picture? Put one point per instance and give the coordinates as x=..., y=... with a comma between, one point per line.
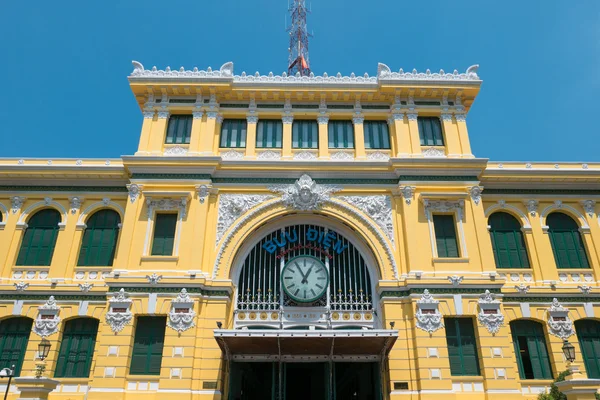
x=77, y=348
x=14, y=335
x=588, y=333
x=530, y=349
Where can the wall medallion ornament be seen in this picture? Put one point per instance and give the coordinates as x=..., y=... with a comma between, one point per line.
x=203, y=192
x=559, y=322
x=86, y=287
x=589, y=206
x=455, y=280
x=408, y=192
x=522, y=288
x=119, y=314
x=585, y=289
x=21, y=286
x=16, y=203
x=305, y=194
x=181, y=317
x=428, y=314
x=232, y=206
x=134, y=191
x=75, y=204
x=490, y=315
x=379, y=208
x=154, y=278
x=475, y=192
x=47, y=321
x=532, y=206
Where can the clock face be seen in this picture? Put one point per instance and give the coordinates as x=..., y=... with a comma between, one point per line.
x=304, y=279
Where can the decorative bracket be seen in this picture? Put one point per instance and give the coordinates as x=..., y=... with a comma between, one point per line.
x=119, y=313
x=181, y=317
x=559, y=322
x=490, y=315
x=428, y=314
x=47, y=321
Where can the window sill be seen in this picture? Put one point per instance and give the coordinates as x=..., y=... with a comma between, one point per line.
x=143, y=376
x=441, y=260
x=467, y=378
x=535, y=382
x=160, y=258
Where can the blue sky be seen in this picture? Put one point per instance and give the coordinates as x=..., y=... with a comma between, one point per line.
x=64, y=64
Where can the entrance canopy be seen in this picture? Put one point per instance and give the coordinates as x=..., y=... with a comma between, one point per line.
x=282, y=344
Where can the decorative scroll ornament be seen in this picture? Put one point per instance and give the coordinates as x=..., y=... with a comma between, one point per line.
x=176, y=151
x=119, y=314
x=305, y=194
x=558, y=321
x=21, y=286
x=379, y=208
x=134, y=191
x=154, y=278
x=428, y=314
x=232, y=155
x=408, y=193
x=16, y=203
x=588, y=206
x=232, y=206
x=75, y=204
x=433, y=152
x=532, y=206
x=475, y=192
x=86, y=287
x=181, y=317
x=47, y=321
x=444, y=206
x=489, y=313
x=455, y=279
x=167, y=205
x=585, y=289
x=522, y=288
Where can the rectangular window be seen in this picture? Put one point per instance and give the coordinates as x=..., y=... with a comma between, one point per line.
x=341, y=134
x=445, y=236
x=430, y=131
x=233, y=133
x=305, y=135
x=377, y=135
x=164, y=234
x=179, y=129
x=462, y=347
x=269, y=133
x=149, y=340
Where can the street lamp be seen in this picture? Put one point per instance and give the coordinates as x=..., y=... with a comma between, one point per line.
x=7, y=373
x=43, y=350
x=569, y=351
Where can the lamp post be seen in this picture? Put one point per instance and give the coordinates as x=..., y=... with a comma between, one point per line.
x=7, y=373
x=569, y=351
x=43, y=350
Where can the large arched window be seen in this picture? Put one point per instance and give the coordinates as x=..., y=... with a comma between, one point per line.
x=100, y=239
x=14, y=335
x=531, y=350
x=567, y=243
x=508, y=241
x=39, y=240
x=77, y=348
x=588, y=333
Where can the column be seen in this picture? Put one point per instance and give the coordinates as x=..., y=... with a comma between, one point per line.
x=401, y=137
x=288, y=121
x=413, y=131
x=359, y=137
x=208, y=139
x=159, y=129
x=463, y=135
x=251, y=136
x=323, y=121
x=146, y=129
x=195, y=140
x=451, y=136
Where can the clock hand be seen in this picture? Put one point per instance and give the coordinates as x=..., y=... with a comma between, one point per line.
x=305, y=280
x=303, y=276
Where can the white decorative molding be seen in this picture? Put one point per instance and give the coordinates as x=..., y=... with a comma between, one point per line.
x=203, y=192
x=119, y=314
x=167, y=205
x=378, y=156
x=502, y=205
x=408, y=192
x=522, y=288
x=269, y=155
x=21, y=286
x=75, y=203
x=445, y=206
x=86, y=287
x=305, y=194
x=176, y=151
x=21, y=162
x=460, y=117
x=16, y=202
x=428, y=315
x=287, y=119
x=475, y=193
x=432, y=152
x=559, y=322
x=589, y=206
x=446, y=117
x=181, y=317
x=455, y=280
x=490, y=315
x=412, y=116
x=3, y=215
x=358, y=119
x=197, y=114
x=232, y=155
x=252, y=119
x=134, y=191
x=47, y=321
x=378, y=208
x=559, y=205
x=226, y=71
x=342, y=156
x=105, y=203
x=584, y=166
x=305, y=156
x=47, y=202
x=528, y=166
x=323, y=119
x=585, y=289
x=154, y=278
x=384, y=73
x=232, y=206
x=532, y=206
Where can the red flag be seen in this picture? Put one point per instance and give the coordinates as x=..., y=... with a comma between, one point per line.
x=304, y=64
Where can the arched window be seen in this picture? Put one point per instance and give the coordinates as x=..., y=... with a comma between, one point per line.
x=100, y=239
x=530, y=350
x=588, y=333
x=39, y=240
x=567, y=244
x=77, y=348
x=14, y=335
x=508, y=241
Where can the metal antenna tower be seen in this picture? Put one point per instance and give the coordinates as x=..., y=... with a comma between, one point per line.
x=298, y=60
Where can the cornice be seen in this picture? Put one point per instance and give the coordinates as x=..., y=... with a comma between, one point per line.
x=78, y=189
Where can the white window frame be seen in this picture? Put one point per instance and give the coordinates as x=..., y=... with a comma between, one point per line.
x=445, y=207
x=156, y=205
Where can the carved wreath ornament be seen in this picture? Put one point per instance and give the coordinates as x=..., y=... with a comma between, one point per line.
x=428, y=315
x=47, y=321
x=305, y=194
x=489, y=312
x=119, y=314
x=181, y=317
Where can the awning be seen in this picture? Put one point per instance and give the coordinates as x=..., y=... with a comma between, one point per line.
x=284, y=344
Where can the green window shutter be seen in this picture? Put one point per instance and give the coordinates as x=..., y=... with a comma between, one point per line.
x=445, y=236
x=462, y=347
x=341, y=134
x=508, y=242
x=233, y=133
x=179, y=129
x=164, y=234
x=14, y=336
x=305, y=134
x=100, y=239
x=39, y=239
x=531, y=350
x=430, y=131
x=269, y=133
x=588, y=334
x=377, y=135
x=148, y=346
x=567, y=243
x=77, y=348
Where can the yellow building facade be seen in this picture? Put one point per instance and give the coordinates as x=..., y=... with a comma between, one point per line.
x=287, y=237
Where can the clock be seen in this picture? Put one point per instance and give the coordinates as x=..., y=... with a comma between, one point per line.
x=304, y=279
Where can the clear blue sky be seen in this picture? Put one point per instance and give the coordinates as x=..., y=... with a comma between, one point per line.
x=64, y=64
